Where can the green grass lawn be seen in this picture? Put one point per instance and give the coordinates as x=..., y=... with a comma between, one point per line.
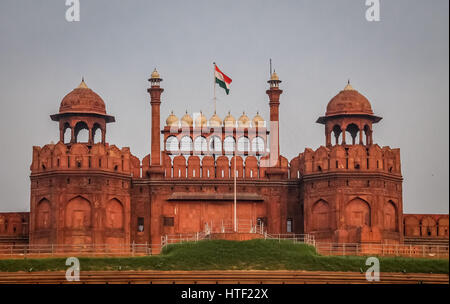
x=232, y=255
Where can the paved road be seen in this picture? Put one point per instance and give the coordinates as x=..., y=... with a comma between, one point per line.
x=218, y=277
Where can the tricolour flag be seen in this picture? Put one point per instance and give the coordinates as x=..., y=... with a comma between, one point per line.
x=222, y=80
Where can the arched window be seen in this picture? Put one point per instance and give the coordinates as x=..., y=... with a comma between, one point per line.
x=96, y=134
x=352, y=131
x=200, y=144
x=81, y=132
x=243, y=144
x=172, y=144
x=67, y=133
x=186, y=144
x=229, y=144
x=337, y=134
x=258, y=144
x=215, y=144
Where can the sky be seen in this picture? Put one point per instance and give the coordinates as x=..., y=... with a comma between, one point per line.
x=400, y=63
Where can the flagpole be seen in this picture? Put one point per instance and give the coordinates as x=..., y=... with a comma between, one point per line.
x=235, y=220
x=214, y=77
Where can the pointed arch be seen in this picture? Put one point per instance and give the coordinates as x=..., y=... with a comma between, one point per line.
x=43, y=212
x=114, y=214
x=390, y=216
x=78, y=213
x=81, y=132
x=357, y=213
x=97, y=134
x=321, y=215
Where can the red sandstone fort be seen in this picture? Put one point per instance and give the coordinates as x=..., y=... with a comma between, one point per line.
x=347, y=191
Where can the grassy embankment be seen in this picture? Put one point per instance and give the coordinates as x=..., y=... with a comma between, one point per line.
x=230, y=255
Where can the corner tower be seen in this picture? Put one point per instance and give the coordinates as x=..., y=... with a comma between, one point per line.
x=352, y=189
x=80, y=189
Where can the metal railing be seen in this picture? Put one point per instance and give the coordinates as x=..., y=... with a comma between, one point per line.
x=296, y=238
x=182, y=238
x=24, y=250
x=227, y=226
x=222, y=226
x=364, y=249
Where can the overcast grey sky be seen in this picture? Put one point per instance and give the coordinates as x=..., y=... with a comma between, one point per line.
x=400, y=64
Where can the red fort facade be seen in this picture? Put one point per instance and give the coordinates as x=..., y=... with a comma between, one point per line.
x=92, y=192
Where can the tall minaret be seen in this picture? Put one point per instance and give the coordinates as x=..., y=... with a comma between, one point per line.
x=155, y=101
x=274, y=102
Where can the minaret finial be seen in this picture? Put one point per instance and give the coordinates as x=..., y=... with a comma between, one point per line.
x=348, y=87
x=82, y=85
x=270, y=64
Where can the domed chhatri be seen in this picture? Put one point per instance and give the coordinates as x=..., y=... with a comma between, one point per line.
x=155, y=74
x=215, y=121
x=229, y=121
x=172, y=120
x=82, y=100
x=244, y=121
x=186, y=120
x=258, y=121
x=201, y=120
x=349, y=101
x=274, y=76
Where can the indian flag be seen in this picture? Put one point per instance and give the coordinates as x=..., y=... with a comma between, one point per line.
x=221, y=79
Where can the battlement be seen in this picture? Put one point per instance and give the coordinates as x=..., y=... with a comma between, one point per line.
x=221, y=167
x=14, y=224
x=338, y=158
x=82, y=156
x=349, y=158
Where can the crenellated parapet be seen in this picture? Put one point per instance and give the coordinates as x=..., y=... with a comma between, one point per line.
x=82, y=156
x=210, y=167
x=353, y=158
